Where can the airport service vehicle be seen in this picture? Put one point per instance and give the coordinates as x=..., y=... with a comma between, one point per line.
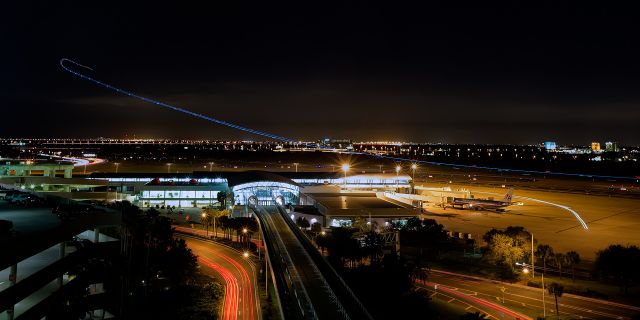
x=484, y=204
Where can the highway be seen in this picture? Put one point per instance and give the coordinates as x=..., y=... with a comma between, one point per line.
x=241, y=299
x=301, y=269
x=487, y=295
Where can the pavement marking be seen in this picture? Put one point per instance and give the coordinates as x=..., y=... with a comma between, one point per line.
x=452, y=299
x=463, y=302
x=499, y=299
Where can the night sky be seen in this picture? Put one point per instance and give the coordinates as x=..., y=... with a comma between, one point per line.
x=441, y=72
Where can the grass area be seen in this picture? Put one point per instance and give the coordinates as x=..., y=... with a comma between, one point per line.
x=588, y=288
x=269, y=304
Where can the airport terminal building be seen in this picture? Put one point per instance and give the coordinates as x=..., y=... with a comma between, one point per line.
x=202, y=189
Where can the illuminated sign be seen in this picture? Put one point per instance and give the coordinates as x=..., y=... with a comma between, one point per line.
x=550, y=145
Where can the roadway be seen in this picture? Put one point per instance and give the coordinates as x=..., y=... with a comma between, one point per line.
x=488, y=296
x=322, y=299
x=28, y=220
x=241, y=300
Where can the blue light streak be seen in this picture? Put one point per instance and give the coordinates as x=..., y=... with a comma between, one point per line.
x=165, y=105
x=289, y=140
x=445, y=164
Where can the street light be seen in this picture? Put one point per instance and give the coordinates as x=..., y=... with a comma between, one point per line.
x=245, y=254
x=526, y=270
x=413, y=168
x=345, y=168
x=117, y=164
x=246, y=239
x=204, y=217
x=169, y=167
x=211, y=166
x=296, y=164
x=397, y=177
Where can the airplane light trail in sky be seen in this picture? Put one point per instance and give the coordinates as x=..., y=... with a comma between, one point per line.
x=285, y=139
x=165, y=105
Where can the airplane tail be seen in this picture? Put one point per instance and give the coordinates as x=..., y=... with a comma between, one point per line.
x=508, y=197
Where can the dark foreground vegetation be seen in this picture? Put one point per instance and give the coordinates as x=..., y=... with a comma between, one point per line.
x=154, y=276
x=385, y=279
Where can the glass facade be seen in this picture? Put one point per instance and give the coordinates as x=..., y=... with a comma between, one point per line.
x=179, y=198
x=149, y=179
x=360, y=182
x=266, y=193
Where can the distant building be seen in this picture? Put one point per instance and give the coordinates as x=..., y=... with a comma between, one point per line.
x=595, y=146
x=26, y=168
x=611, y=146
x=550, y=145
x=338, y=143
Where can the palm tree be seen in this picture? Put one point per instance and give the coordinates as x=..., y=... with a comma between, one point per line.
x=544, y=252
x=573, y=258
x=214, y=215
x=474, y=316
x=561, y=260
x=556, y=290
x=222, y=199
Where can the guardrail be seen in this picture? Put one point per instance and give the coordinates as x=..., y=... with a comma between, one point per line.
x=353, y=307
x=282, y=265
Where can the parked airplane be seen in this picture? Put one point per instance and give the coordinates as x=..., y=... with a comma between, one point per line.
x=484, y=204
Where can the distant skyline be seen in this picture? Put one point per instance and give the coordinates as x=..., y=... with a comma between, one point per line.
x=390, y=142
x=514, y=74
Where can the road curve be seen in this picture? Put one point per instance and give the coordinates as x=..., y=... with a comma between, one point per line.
x=528, y=300
x=241, y=299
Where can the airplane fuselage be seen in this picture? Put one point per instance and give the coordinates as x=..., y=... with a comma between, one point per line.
x=478, y=204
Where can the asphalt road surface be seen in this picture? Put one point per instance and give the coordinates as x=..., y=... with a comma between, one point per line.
x=28, y=220
x=523, y=300
x=317, y=289
x=241, y=299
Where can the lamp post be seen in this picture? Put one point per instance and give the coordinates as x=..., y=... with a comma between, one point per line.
x=413, y=169
x=206, y=221
x=414, y=166
x=345, y=168
x=296, y=164
x=526, y=270
x=169, y=167
x=211, y=166
x=246, y=240
x=117, y=164
x=533, y=266
x=397, y=177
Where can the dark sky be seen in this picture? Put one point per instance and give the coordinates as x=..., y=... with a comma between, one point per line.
x=441, y=72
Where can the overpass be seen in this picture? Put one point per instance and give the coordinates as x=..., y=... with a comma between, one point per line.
x=306, y=285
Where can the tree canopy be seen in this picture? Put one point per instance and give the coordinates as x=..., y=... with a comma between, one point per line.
x=619, y=264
